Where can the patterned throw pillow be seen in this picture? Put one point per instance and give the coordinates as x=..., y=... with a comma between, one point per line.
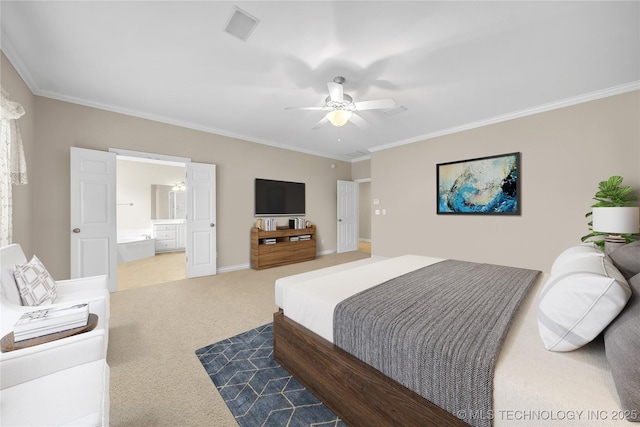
x=36, y=285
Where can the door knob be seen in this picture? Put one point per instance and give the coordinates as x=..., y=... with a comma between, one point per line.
x=212, y=225
x=76, y=230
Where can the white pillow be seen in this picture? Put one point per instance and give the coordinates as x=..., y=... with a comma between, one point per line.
x=35, y=284
x=579, y=300
x=583, y=250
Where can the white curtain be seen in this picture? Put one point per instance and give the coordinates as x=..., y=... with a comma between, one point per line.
x=13, y=167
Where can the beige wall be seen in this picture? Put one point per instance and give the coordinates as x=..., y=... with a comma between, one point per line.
x=22, y=194
x=364, y=225
x=61, y=125
x=42, y=208
x=565, y=153
x=133, y=188
x=361, y=169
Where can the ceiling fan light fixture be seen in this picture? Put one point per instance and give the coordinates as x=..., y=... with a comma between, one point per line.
x=339, y=117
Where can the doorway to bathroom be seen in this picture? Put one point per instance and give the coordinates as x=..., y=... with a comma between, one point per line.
x=151, y=209
x=93, y=206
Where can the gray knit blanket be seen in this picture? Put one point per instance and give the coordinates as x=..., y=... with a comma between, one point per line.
x=437, y=331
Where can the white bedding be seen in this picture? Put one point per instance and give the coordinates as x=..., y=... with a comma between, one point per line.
x=285, y=282
x=310, y=303
x=532, y=386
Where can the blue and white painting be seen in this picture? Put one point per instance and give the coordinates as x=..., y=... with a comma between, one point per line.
x=487, y=185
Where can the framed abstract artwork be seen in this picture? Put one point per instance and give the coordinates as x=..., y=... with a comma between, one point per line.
x=486, y=186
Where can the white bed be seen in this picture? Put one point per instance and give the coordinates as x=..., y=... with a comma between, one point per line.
x=532, y=386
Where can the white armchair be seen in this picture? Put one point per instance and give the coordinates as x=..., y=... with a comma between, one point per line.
x=88, y=289
x=62, y=382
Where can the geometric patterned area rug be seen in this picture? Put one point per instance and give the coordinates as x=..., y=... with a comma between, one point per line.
x=257, y=390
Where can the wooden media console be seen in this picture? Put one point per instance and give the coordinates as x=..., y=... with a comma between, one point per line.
x=282, y=246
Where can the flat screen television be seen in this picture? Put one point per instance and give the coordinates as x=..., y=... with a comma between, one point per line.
x=279, y=198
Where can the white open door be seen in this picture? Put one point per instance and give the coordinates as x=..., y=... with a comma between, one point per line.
x=201, y=220
x=347, y=216
x=93, y=214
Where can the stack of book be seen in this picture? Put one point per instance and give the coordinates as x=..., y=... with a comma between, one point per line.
x=269, y=241
x=269, y=224
x=297, y=223
x=50, y=321
x=305, y=237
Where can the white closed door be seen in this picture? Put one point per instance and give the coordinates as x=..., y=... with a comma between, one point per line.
x=93, y=214
x=201, y=220
x=347, y=216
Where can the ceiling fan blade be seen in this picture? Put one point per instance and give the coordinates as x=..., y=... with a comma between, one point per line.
x=359, y=121
x=335, y=91
x=376, y=104
x=321, y=123
x=304, y=108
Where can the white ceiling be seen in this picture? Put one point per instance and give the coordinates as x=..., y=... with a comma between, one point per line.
x=453, y=65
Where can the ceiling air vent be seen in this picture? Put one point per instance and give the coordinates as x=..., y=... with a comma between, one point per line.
x=397, y=110
x=358, y=153
x=241, y=24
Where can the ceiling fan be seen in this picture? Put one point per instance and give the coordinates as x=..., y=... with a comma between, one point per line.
x=341, y=109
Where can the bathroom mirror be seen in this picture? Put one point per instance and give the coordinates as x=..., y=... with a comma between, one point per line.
x=167, y=203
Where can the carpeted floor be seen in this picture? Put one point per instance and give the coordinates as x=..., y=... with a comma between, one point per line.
x=156, y=379
x=257, y=390
x=162, y=268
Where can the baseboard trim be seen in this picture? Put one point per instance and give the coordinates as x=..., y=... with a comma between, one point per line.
x=327, y=252
x=247, y=266
x=233, y=268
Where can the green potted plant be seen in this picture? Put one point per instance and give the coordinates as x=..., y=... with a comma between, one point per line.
x=611, y=194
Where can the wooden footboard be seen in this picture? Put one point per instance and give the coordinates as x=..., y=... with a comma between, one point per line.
x=359, y=394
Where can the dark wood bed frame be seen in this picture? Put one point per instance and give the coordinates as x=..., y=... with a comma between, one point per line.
x=359, y=394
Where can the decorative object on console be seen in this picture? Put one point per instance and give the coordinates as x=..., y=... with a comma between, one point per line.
x=36, y=285
x=486, y=185
x=615, y=221
x=269, y=224
x=610, y=194
x=297, y=223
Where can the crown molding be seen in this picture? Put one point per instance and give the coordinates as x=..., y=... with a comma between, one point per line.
x=580, y=99
x=7, y=47
x=9, y=51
